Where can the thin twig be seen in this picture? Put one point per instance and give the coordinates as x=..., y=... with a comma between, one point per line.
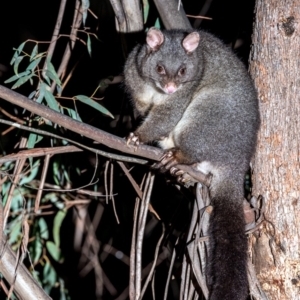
x=77, y=20
x=105, y=180
x=89, y=131
x=133, y=251
x=132, y=181
x=37, y=152
x=17, y=172
x=42, y=182
x=140, y=235
x=97, y=151
x=55, y=32
x=154, y=262
x=170, y=271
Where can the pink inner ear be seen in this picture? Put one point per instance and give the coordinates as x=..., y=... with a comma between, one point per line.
x=154, y=38
x=191, y=42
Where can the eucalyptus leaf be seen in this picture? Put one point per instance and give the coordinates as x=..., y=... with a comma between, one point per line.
x=18, y=76
x=57, y=225
x=85, y=5
x=31, y=140
x=51, y=101
x=33, y=64
x=94, y=104
x=146, y=8
x=31, y=95
x=21, y=81
x=44, y=232
x=33, y=172
x=15, y=232
x=34, y=52
x=17, y=62
x=37, y=249
x=157, y=23
x=53, y=77
x=49, y=274
x=73, y=114
x=51, y=69
x=41, y=93
x=17, y=53
x=53, y=250
x=89, y=47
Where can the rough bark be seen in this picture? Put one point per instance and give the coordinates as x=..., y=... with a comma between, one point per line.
x=275, y=67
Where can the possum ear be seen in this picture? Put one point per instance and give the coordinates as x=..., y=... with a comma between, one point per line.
x=191, y=42
x=154, y=38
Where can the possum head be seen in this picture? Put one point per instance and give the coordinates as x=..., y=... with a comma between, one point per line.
x=169, y=61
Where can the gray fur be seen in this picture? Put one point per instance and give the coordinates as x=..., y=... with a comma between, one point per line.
x=212, y=117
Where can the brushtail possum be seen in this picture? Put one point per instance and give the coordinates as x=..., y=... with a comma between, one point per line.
x=197, y=99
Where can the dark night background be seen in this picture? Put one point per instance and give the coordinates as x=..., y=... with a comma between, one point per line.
x=34, y=19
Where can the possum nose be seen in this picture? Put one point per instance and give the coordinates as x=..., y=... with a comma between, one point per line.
x=170, y=87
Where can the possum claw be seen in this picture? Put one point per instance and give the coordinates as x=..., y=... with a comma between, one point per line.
x=133, y=140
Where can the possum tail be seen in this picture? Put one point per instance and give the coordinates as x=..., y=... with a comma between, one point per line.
x=227, y=268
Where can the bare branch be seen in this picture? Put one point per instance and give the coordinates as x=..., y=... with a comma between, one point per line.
x=24, y=285
x=171, y=16
x=98, y=135
x=128, y=14
x=86, y=130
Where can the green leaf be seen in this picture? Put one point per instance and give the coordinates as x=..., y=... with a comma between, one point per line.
x=31, y=94
x=146, y=8
x=34, y=52
x=18, y=76
x=33, y=64
x=30, y=144
x=21, y=81
x=56, y=226
x=41, y=93
x=157, y=23
x=49, y=274
x=31, y=140
x=53, y=77
x=89, y=48
x=15, y=232
x=73, y=114
x=53, y=250
x=18, y=198
x=85, y=6
x=51, y=69
x=46, y=78
x=17, y=53
x=94, y=104
x=51, y=101
x=44, y=232
x=17, y=62
x=37, y=249
x=33, y=172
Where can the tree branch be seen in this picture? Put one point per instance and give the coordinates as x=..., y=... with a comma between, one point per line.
x=24, y=285
x=172, y=17
x=93, y=133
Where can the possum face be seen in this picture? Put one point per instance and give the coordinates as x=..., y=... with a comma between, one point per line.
x=171, y=59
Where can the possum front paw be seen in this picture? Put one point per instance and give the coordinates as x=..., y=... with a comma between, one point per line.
x=133, y=140
x=186, y=174
x=167, y=161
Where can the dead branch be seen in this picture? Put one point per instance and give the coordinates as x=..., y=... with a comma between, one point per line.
x=86, y=130
x=128, y=15
x=91, y=132
x=172, y=17
x=25, y=285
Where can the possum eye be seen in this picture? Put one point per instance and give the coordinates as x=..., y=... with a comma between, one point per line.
x=160, y=70
x=182, y=72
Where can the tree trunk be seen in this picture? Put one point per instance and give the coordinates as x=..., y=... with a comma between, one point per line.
x=275, y=67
